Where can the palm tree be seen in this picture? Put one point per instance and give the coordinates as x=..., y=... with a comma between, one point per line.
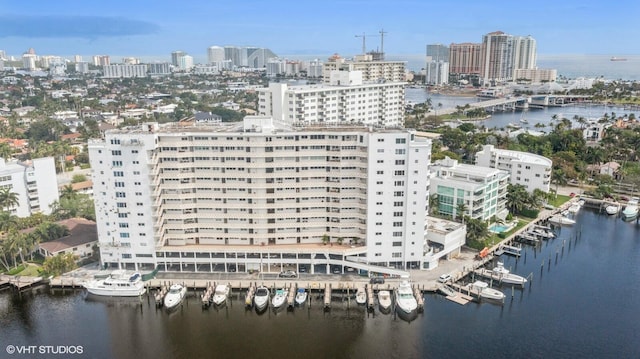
x=68, y=192
x=517, y=197
x=434, y=203
x=8, y=199
x=7, y=221
x=558, y=177
x=461, y=210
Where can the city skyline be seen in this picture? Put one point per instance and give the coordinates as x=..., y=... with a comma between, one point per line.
x=296, y=28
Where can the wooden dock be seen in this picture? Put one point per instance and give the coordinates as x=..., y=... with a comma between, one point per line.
x=291, y=298
x=21, y=282
x=370, y=298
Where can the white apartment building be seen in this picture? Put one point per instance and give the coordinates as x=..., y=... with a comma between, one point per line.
x=215, y=55
x=536, y=75
x=124, y=71
x=483, y=190
x=393, y=71
x=346, y=99
x=527, y=169
x=256, y=196
x=437, y=73
x=34, y=183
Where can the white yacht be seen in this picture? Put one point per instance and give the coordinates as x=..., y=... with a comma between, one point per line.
x=484, y=291
x=405, y=299
x=561, y=220
x=301, y=296
x=221, y=293
x=574, y=208
x=630, y=212
x=261, y=298
x=361, y=296
x=506, y=276
x=612, y=209
x=279, y=298
x=118, y=284
x=175, y=296
x=384, y=300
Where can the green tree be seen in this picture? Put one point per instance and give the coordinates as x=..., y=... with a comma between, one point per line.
x=59, y=264
x=461, y=210
x=8, y=199
x=5, y=151
x=558, y=177
x=517, y=198
x=477, y=229
x=78, y=178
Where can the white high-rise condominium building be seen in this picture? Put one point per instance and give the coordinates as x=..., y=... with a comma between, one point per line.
x=437, y=52
x=82, y=67
x=124, y=71
x=185, y=62
x=215, y=55
x=527, y=169
x=393, y=71
x=101, y=60
x=526, y=52
x=503, y=54
x=34, y=183
x=29, y=62
x=345, y=99
x=257, y=196
x=175, y=55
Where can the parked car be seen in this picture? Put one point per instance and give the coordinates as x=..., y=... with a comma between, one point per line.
x=288, y=274
x=444, y=278
x=376, y=280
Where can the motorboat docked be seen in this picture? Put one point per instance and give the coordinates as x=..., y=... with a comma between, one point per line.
x=484, y=291
x=117, y=284
x=405, y=299
x=361, y=296
x=581, y=202
x=221, y=293
x=446, y=290
x=514, y=126
x=630, y=212
x=506, y=276
x=612, y=209
x=561, y=220
x=384, y=300
x=279, y=298
x=175, y=296
x=261, y=298
x=574, y=208
x=301, y=296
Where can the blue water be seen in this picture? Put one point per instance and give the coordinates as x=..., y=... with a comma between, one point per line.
x=532, y=116
x=497, y=228
x=582, y=302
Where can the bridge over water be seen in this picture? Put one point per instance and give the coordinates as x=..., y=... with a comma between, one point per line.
x=519, y=102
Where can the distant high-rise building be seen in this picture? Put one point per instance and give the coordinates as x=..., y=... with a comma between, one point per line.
x=215, y=55
x=185, y=62
x=77, y=58
x=124, y=71
x=3, y=55
x=465, y=58
x=503, y=54
x=437, y=73
x=314, y=69
x=160, y=68
x=437, y=52
x=254, y=57
x=101, y=60
x=175, y=56
x=31, y=51
x=29, y=62
x=525, y=57
x=82, y=67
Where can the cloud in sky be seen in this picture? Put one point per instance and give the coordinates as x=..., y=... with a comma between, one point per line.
x=60, y=26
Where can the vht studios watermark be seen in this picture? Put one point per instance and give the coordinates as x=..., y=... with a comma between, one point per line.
x=45, y=349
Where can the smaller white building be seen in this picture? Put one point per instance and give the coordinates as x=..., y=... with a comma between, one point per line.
x=444, y=238
x=594, y=131
x=527, y=169
x=33, y=182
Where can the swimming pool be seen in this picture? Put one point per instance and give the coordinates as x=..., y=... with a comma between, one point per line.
x=499, y=228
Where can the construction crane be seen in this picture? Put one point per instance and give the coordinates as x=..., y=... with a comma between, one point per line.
x=364, y=37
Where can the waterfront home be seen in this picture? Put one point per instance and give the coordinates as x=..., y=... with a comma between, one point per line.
x=80, y=242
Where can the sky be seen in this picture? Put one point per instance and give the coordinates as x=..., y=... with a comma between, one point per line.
x=156, y=28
